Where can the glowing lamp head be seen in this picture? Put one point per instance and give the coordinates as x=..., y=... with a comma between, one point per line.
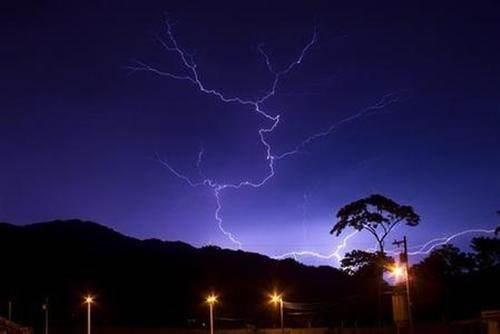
x=89, y=299
x=398, y=272
x=276, y=298
x=211, y=299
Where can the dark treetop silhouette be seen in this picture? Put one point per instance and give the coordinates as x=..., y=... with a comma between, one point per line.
x=376, y=214
x=358, y=261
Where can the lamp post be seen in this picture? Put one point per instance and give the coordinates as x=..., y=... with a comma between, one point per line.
x=211, y=300
x=45, y=308
x=406, y=277
x=278, y=299
x=88, y=300
x=10, y=310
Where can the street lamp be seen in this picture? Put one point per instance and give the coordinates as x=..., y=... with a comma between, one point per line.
x=401, y=275
x=88, y=300
x=211, y=300
x=398, y=272
x=278, y=299
x=10, y=310
x=406, y=276
x=45, y=308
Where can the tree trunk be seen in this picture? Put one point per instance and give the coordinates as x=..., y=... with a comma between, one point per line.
x=380, y=286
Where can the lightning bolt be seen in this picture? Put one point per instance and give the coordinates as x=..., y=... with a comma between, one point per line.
x=429, y=246
x=423, y=250
x=385, y=101
x=334, y=255
x=193, y=77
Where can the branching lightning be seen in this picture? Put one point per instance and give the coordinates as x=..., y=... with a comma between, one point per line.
x=192, y=76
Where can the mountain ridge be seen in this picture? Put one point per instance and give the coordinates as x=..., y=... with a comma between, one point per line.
x=136, y=280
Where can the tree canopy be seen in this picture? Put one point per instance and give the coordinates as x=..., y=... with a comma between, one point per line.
x=486, y=252
x=447, y=260
x=376, y=214
x=361, y=262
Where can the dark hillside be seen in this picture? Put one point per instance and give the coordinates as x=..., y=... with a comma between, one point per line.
x=145, y=282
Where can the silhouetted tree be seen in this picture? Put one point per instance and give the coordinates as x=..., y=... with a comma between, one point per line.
x=435, y=281
x=487, y=252
x=376, y=214
x=364, y=263
x=446, y=261
x=451, y=284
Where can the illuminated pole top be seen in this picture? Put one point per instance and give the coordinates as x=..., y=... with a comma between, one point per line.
x=276, y=298
x=211, y=299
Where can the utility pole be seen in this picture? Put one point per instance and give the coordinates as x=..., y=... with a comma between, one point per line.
x=211, y=300
x=277, y=299
x=89, y=300
x=281, y=315
x=211, y=318
x=45, y=308
x=88, y=318
x=404, y=259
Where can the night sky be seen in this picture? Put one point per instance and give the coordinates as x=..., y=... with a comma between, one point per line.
x=79, y=130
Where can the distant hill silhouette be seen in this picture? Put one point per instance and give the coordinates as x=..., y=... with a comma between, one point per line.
x=150, y=282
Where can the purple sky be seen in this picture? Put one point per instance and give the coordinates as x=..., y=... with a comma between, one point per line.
x=80, y=131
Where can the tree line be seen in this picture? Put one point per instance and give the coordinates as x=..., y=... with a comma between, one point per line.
x=447, y=284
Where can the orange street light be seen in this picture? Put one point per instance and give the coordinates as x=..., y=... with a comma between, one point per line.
x=278, y=299
x=398, y=272
x=211, y=301
x=88, y=300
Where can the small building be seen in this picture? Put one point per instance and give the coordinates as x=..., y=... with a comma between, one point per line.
x=492, y=320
